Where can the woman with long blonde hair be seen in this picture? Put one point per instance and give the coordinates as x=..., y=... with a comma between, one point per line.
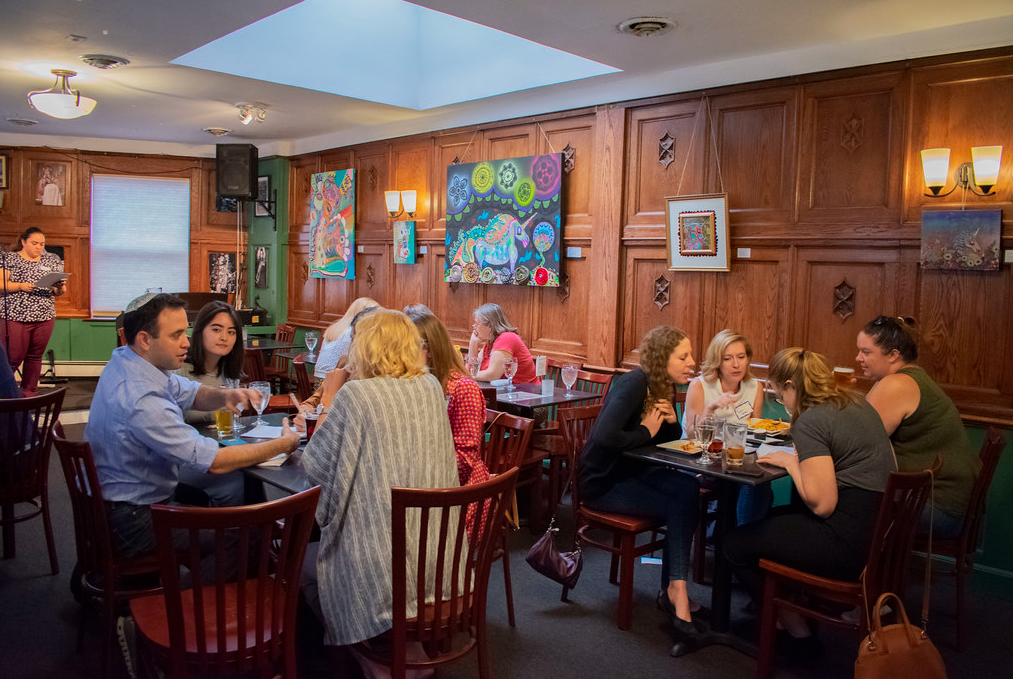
x=638, y=411
x=387, y=427
x=337, y=338
x=839, y=469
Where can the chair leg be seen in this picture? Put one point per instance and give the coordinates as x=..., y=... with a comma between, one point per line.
x=108, y=634
x=700, y=551
x=624, y=613
x=482, y=647
x=768, y=627
x=54, y=563
x=961, y=569
x=563, y=596
x=614, y=565
x=506, y=581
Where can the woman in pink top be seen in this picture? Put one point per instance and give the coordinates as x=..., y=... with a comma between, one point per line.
x=494, y=341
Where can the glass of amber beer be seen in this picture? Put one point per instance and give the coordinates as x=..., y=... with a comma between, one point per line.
x=735, y=443
x=844, y=376
x=225, y=423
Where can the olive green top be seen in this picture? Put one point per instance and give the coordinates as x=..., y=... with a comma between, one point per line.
x=935, y=428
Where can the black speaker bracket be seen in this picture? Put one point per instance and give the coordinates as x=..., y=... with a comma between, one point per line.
x=270, y=205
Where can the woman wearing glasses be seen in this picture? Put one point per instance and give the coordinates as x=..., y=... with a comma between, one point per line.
x=921, y=420
x=494, y=341
x=839, y=470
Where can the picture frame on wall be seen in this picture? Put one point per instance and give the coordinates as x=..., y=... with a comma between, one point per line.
x=260, y=264
x=223, y=204
x=51, y=183
x=260, y=207
x=3, y=171
x=696, y=233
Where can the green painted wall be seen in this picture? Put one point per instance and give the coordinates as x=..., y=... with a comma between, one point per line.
x=274, y=235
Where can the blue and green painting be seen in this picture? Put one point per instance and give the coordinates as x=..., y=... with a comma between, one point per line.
x=332, y=224
x=503, y=221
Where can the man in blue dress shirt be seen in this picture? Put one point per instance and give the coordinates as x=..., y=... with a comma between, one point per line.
x=136, y=427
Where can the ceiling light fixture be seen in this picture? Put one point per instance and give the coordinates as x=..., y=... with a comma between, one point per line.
x=250, y=112
x=644, y=27
x=106, y=62
x=59, y=101
x=217, y=131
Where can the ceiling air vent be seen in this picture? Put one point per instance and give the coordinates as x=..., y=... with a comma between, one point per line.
x=104, y=61
x=23, y=122
x=643, y=27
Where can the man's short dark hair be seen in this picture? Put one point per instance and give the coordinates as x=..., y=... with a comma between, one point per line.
x=146, y=316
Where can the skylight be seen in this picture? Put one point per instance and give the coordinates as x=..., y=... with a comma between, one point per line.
x=389, y=52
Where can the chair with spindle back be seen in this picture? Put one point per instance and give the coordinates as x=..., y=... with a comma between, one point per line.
x=277, y=369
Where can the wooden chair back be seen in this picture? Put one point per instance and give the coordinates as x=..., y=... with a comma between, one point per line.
x=284, y=333
x=253, y=365
x=577, y=424
x=26, y=440
x=506, y=441
x=303, y=387
x=894, y=532
x=489, y=394
x=596, y=383
x=457, y=614
x=237, y=615
x=991, y=450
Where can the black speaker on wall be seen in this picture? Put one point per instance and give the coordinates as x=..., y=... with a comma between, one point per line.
x=236, y=170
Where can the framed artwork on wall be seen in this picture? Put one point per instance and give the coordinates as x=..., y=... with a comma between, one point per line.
x=3, y=172
x=260, y=264
x=697, y=232
x=263, y=195
x=222, y=271
x=332, y=225
x=51, y=183
x=404, y=242
x=223, y=204
x=961, y=240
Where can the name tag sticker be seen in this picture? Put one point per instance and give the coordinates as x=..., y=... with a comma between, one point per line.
x=744, y=410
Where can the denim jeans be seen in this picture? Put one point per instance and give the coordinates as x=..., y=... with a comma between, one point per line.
x=659, y=493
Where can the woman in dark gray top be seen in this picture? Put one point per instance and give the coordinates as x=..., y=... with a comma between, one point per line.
x=840, y=471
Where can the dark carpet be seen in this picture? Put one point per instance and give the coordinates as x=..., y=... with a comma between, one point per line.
x=79, y=392
x=39, y=618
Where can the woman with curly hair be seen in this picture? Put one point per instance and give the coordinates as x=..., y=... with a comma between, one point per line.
x=840, y=467
x=636, y=412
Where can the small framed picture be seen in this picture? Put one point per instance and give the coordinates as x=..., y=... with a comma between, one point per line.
x=260, y=266
x=223, y=204
x=222, y=271
x=697, y=232
x=51, y=183
x=3, y=172
x=261, y=207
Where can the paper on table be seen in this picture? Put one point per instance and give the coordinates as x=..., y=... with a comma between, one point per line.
x=275, y=461
x=767, y=448
x=263, y=431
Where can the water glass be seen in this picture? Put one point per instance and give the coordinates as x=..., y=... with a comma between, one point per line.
x=509, y=370
x=569, y=375
x=312, y=338
x=703, y=432
x=265, y=395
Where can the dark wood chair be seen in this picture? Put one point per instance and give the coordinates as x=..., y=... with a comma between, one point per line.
x=507, y=438
x=303, y=386
x=99, y=576
x=963, y=547
x=253, y=365
x=455, y=622
x=577, y=424
x=276, y=369
x=26, y=432
x=237, y=620
x=885, y=569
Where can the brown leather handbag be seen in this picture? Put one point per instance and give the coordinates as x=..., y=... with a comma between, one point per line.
x=897, y=651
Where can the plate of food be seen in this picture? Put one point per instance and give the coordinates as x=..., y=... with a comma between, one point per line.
x=682, y=446
x=767, y=427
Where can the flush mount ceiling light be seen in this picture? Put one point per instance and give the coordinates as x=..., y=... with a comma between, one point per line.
x=250, y=112
x=106, y=62
x=644, y=27
x=217, y=131
x=59, y=101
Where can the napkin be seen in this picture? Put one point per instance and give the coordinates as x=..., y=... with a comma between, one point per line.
x=275, y=461
x=498, y=383
x=767, y=448
x=263, y=431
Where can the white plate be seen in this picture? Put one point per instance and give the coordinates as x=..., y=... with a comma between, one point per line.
x=676, y=447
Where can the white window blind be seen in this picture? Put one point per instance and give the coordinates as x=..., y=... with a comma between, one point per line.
x=140, y=239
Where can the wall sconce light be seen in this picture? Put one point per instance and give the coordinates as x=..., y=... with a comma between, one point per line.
x=250, y=112
x=980, y=175
x=59, y=101
x=401, y=203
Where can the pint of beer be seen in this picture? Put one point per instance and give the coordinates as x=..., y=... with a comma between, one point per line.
x=844, y=376
x=735, y=444
x=224, y=423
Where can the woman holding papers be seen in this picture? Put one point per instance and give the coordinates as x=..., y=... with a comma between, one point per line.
x=842, y=462
x=28, y=311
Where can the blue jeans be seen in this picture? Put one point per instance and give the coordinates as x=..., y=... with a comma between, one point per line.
x=944, y=525
x=659, y=493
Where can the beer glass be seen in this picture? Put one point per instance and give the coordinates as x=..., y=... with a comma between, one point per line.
x=735, y=443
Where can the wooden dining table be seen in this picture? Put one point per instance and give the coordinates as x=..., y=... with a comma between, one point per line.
x=289, y=477
x=726, y=485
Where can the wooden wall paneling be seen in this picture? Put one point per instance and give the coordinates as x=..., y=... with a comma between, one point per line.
x=333, y=297
x=12, y=208
x=577, y=134
x=756, y=145
x=410, y=171
x=300, y=172
x=753, y=299
x=65, y=170
x=464, y=147
x=373, y=263
x=412, y=283
x=304, y=293
x=660, y=138
x=561, y=323
x=852, y=149
x=880, y=286
x=75, y=303
x=212, y=217
x=372, y=178
x=453, y=303
x=656, y=296
x=959, y=106
x=509, y=142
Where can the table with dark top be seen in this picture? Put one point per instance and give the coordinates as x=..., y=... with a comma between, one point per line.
x=727, y=492
x=289, y=477
x=267, y=344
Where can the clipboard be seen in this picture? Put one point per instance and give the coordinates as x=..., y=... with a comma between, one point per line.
x=51, y=279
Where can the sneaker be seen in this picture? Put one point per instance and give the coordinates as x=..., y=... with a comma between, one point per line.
x=126, y=633
x=855, y=614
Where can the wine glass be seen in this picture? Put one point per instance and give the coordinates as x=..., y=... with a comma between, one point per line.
x=704, y=434
x=569, y=375
x=312, y=338
x=510, y=369
x=265, y=395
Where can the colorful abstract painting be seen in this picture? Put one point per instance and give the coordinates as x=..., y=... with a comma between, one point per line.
x=404, y=242
x=966, y=240
x=332, y=224
x=503, y=221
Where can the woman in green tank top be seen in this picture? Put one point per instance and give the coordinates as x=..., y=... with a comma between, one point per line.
x=921, y=420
